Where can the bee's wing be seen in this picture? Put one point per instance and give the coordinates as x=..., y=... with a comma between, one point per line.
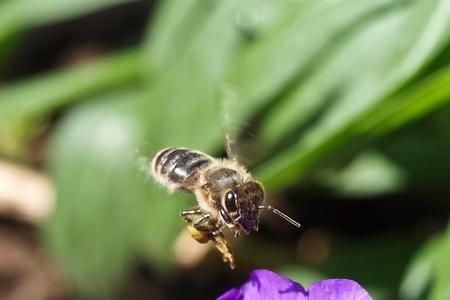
x=235, y=130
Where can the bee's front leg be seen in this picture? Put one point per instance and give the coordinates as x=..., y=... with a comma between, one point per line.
x=203, y=229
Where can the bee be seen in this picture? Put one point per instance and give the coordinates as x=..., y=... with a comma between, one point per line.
x=227, y=195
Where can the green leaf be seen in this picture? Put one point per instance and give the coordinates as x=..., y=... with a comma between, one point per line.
x=48, y=92
x=107, y=210
x=365, y=90
x=347, y=86
x=175, y=27
x=419, y=274
x=190, y=89
x=281, y=56
x=291, y=164
x=92, y=162
x=441, y=286
x=178, y=25
x=368, y=174
x=411, y=104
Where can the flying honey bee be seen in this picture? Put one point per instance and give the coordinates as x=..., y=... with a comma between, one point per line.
x=227, y=194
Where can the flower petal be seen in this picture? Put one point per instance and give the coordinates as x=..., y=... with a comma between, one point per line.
x=232, y=294
x=337, y=289
x=266, y=285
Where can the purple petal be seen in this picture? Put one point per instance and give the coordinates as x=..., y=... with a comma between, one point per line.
x=230, y=295
x=266, y=285
x=337, y=289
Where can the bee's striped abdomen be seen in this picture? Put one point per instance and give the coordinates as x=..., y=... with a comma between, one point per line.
x=178, y=167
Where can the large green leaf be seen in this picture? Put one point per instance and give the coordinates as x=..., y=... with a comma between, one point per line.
x=92, y=162
x=183, y=97
x=107, y=209
x=175, y=27
x=368, y=174
x=354, y=78
x=365, y=90
x=178, y=25
x=45, y=93
x=283, y=55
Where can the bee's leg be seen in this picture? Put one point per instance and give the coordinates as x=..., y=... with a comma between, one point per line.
x=203, y=219
x=189, y=212
x=198, y=224
x=199, y=219
x=214, y=234
x=204, y=229
x=222, y=245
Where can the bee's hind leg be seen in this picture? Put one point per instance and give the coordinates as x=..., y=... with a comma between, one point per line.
x=198, y=224
x=204, y=229
x=221, y=244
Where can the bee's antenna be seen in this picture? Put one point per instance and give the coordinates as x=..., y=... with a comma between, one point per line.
x=279, y=213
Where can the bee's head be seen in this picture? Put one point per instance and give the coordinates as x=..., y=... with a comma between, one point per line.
x=238, y=199
x=240, y=206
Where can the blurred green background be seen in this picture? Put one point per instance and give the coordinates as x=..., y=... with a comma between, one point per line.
x=340, y=107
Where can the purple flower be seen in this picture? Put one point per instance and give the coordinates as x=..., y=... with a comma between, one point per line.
x=266, y=285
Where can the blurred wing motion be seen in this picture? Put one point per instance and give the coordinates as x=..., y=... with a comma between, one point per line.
x=233, y=128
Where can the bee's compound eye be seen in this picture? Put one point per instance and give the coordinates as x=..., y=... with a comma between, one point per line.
x=230, y=201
